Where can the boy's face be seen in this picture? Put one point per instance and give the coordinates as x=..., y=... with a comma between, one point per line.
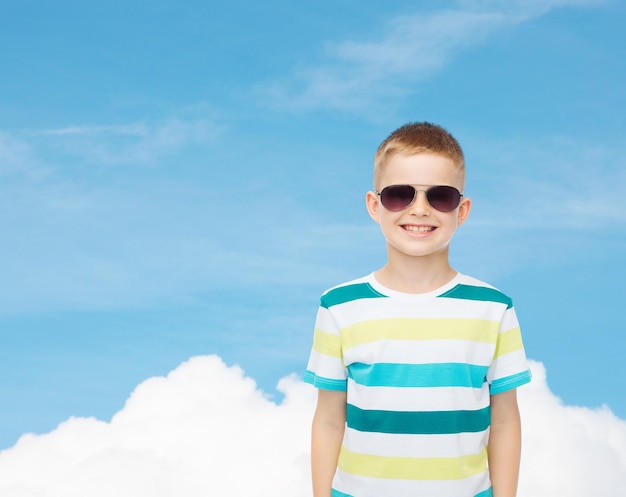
x=418, y=230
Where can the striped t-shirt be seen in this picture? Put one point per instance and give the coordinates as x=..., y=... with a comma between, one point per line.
x=419, y=370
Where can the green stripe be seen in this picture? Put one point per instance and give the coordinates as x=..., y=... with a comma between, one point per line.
x=418, y=423
x=418, y=375
x=481, y=293
x=349, y=293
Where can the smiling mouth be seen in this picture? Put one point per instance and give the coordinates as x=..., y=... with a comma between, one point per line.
x=419, y=229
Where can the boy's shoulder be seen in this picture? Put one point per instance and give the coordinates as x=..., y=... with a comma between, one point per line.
x=471, y=288
x=471, y=281
x=355, y=289
x=461, y=287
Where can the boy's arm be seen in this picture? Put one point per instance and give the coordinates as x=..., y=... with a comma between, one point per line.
x=329, y=424
x=504, y=449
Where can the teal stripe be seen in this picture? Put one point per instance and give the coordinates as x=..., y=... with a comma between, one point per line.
x=418, y=375
x=349, y=293
x=482, y=293
x=486, y=493
x=337, y=493
x=325, y=383
x=509, y=382
x=418, y=423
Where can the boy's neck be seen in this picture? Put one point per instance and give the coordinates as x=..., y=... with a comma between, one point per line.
x=416, y=274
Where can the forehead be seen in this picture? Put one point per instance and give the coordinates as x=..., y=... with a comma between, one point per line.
x=421, y=169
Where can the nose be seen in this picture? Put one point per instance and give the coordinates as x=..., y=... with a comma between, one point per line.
x=420, y=205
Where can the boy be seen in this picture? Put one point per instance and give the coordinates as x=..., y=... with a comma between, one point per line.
x=416, y=364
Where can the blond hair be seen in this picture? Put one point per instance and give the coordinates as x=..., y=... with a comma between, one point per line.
x=416, y=138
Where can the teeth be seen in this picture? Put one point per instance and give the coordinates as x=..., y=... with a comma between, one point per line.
x=419, y=229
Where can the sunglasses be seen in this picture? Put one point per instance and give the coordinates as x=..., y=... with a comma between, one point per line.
x=398, y=197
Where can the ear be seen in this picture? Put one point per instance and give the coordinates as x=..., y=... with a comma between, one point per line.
x=464, y=209
x=372, y=205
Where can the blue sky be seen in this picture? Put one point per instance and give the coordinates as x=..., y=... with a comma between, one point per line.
x=181, y=179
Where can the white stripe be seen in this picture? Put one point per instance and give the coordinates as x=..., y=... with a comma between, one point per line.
x=382, y=308
x=507, y=365
x=401, y=445
x=326, y=366
x=326, y=322
x=363, y=279
x=471, y=281
x=361, y=486
x=422, y=352
x=509, y=320
x=418, y=399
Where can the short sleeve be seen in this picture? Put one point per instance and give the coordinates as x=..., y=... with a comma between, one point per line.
x=509, y=368
x=326, y=369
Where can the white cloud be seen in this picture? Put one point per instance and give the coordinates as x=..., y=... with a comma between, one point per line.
x=12, y=153
x=17, y=157
x=356, y=73
x=203, y=430
x=78, y=246
x=138, y=142
x=526, y=8
x=206, y=429
x=577, y=182
x=569, y=451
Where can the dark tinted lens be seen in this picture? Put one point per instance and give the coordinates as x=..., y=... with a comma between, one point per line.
x=443, y=198
x=397, y=197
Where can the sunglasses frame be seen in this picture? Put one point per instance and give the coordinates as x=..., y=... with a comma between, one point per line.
x=415, y=191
